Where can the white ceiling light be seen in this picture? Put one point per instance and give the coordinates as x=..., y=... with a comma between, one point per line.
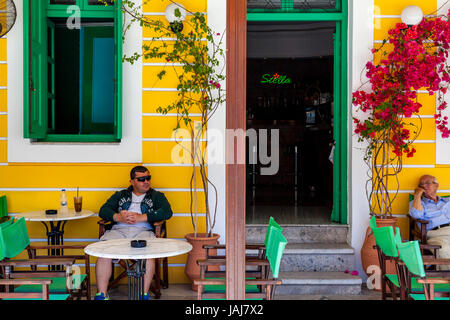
x=175, y=14
x=412, y=15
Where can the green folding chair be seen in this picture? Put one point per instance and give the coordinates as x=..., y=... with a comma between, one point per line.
x=387, y=251
x=251, y=258
x=256, y=288
x=433, y=288
x=399, y=284
x=15, y=240
x=11, y=250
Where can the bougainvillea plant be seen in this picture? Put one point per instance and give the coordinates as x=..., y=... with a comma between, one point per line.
x=412, y=59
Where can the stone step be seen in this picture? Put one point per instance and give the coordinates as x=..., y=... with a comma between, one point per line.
x=325, y=257
x=302, y=233
x=318, y=283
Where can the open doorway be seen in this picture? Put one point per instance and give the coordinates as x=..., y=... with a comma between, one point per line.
x=290, y=83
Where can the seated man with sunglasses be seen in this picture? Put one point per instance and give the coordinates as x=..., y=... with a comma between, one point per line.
x=132, y=212
x=427, y=205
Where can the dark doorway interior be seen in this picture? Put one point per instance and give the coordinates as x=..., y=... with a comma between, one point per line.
x=294, y=95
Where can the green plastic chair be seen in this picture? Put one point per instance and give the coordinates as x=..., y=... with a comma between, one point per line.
x=412, y=258
x=15, y=240
x=387, y=251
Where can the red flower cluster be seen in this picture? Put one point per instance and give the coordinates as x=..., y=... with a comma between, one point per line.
x=418, y=61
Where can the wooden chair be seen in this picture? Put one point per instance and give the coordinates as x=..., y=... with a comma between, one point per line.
x=253, y=260
x=158, y=281
x=418, y=227
x=42, y=294
x=256, y=288
x=436, y=285
x=13, y=241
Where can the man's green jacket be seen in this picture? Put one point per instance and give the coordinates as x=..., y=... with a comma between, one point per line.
x=154, y=205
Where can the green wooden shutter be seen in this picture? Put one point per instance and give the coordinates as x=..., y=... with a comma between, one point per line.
x=35, y=69
x=118, y=70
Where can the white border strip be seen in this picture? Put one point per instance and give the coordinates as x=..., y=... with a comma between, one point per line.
x=3, y=113
x=169, y=139
x=168, y=115
x=424, y=141
x=3, y=62
x=3, y=88
x=159, y=89
x=175, y=214
x=161, y=64
x=90, y=189
x=412, y=191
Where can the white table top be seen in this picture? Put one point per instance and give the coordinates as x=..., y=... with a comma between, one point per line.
x=121, y=249
x=41, y=216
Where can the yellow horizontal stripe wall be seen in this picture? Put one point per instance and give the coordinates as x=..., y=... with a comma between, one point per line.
x=3, y=126
x=387, y=14
x=148, y=32
x=20, y=201
x=385, y=7
x=163, y=127
x=3, y=100
x=152, y=100
x=161, y=5
x=3, y=49
x=3, y=75
x=35, y=186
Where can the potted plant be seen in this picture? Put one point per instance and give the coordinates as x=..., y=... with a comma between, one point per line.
x=195, y=53
x=415, y=60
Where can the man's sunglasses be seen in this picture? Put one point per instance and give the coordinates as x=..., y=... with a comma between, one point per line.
x=142, y=179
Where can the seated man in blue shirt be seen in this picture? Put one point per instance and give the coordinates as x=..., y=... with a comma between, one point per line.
x=427, y=205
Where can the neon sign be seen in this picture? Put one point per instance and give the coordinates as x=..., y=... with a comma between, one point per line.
x=275, y=79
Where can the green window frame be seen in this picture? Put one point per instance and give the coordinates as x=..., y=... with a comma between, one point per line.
x=340, y=16
x=39, y=66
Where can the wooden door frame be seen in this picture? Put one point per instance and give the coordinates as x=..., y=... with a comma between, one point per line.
x=235, y=172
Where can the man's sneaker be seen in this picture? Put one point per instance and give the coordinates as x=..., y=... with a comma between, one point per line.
x=146, y=296
x=101, y=296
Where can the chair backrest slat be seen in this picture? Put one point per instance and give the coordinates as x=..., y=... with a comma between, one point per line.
x=3, y=206
x=15, y=237
x=275, y=251
x=272, y=225
x=2, y=247
x=410, y=254
x=385, y=239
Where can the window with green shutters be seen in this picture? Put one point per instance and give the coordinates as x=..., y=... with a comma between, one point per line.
x=73, y=70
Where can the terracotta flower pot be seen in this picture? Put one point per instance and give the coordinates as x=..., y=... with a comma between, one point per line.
x=192, y=269
x=369, y=255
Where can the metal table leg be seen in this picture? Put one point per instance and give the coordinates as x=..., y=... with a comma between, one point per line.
x=136, y=279
x=55, y=236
